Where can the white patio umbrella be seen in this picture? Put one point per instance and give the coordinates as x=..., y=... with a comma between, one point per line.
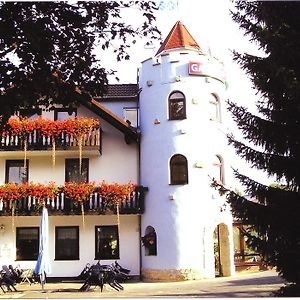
x=43, y=266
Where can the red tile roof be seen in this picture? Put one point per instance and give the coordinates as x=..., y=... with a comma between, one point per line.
x=179, y=37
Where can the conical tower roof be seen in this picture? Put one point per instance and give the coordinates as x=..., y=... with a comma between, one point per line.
x=179, y=37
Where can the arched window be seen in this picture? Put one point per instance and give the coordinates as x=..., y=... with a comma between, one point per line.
x=218, y=169
x=177, y=109
x=215, y=108
x=178, y=169
x=149, y=241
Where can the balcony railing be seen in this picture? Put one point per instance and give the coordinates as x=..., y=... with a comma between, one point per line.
x=36, y=141
x=60, y=205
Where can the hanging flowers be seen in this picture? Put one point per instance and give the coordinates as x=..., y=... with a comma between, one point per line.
x=78, y=192
x=113, y=194
x=10, y=192
x=149, y=240
x=21, y=126
x=77, y=129
x=42, y=192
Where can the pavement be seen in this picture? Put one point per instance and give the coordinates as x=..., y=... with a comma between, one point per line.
x=256, y=284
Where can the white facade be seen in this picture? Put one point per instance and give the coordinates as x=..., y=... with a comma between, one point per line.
x=111, y=167
x=184, y=216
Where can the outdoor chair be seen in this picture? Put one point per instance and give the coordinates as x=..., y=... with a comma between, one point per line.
x=84, y=273
x=101, y=274
x=6, y=280
x=28, y=276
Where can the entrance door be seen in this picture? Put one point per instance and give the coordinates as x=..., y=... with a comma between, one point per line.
x=218, y=267
x=221, y=250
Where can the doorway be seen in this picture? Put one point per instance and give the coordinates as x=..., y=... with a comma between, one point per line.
x=221, y=250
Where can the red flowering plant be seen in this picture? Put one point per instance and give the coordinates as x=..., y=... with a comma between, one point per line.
x=77, y=127
x=21, y=126
x=10, y=192
x=48, y=127
x=42, y=192
x=113, y=194
x=78, y=192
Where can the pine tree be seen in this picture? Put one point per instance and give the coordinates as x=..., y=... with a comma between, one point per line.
x=272, y=135
x=47, y=49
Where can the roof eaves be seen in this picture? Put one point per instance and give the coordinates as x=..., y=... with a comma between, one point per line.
x=130, y=133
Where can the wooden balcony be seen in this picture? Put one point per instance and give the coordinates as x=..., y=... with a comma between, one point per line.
x=36, y=141
x=60, y=205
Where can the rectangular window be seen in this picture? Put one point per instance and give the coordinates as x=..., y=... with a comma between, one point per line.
x=27, y=243
x=15, y=171
x=72, y=170
x=67, y=243
x=131, y=115
x=64, y=114
x=107, y=242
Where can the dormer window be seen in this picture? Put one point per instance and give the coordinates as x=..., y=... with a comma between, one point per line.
x=177, y=106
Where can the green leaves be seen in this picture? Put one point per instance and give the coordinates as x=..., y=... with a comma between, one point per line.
x=37, y=38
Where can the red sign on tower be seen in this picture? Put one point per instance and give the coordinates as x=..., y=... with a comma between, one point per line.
x=195, y=68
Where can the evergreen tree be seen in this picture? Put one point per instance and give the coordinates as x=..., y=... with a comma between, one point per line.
x=272, y=135
x=47, y=49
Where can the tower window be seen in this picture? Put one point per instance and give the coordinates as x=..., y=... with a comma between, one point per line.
x=177, y=107
x=215, y=108
x=178, y=169
x=218, y=169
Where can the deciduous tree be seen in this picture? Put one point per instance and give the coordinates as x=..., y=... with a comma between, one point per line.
x=48, y=49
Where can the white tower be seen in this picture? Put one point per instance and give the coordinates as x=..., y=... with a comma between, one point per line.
x=182, y=148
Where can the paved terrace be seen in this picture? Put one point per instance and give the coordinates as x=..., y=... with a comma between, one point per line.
x=258, y=284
